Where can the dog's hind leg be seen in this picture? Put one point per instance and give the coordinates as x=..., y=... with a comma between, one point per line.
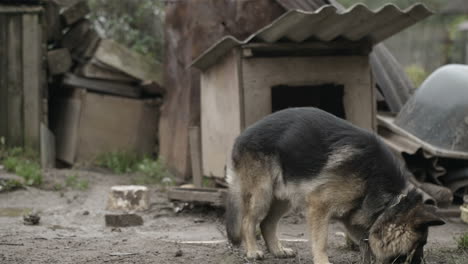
x=269, y=225
x=256, y=205
x=319, y=218
x=256, y=200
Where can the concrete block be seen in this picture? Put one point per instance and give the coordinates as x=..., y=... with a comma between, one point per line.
x=128, y=198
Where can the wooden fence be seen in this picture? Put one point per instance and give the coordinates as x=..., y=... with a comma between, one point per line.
x=21, y=75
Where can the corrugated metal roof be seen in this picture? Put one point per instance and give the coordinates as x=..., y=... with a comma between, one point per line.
x=325, y=24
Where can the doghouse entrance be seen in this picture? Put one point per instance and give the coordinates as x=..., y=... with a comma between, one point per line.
x=328, y=97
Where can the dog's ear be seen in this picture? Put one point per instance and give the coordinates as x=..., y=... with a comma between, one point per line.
x=426, y=217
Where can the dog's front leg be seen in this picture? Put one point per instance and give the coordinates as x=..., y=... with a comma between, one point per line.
x=318, y=217
x=366, y=253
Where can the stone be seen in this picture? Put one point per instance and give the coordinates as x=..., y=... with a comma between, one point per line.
x=123, y=220
x=128, y=198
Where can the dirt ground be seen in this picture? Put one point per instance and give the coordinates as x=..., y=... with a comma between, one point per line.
x=72, y=230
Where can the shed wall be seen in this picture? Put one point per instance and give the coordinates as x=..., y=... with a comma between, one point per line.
x=260, y=74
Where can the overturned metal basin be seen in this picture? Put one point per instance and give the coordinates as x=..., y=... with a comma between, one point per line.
x=437, y=114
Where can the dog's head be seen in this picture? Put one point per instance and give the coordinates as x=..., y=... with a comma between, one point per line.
x=400, y=233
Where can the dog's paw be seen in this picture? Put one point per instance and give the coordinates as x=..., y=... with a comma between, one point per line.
x=285, y=253
x=255, y=254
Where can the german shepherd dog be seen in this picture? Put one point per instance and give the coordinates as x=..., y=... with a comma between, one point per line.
x=310, y=158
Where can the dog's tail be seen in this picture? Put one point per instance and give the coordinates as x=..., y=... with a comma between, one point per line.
x=233, y=208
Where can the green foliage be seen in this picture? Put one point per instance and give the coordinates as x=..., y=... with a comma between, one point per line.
x=74, y=182
x=151, y=171
x=136, y=24
x=119, y=161
x=417, y=74
x=24, y=163
x=10, y=185
x=146, y=170
x=462, y=241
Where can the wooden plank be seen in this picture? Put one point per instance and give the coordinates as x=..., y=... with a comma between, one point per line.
x=14, y=83
x=52, y=21
x=47, y=147
x=74, y=37
x=59, y=61
x=65, y=116
x=104, y=86
x=92, y=42
x=32, y=62
x=221, y=113
x=92, y=70
x=196, y=156
x=75, y=12
x=3, y=77
x=127, y=61
x=215, y=197
x=153, y=88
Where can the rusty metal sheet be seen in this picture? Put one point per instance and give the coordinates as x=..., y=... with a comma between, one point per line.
x=325, y=24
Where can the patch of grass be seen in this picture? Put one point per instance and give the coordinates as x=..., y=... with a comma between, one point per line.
x=147, y=171
x=462, y=241
x=151, y=171
x=118, y=162
x=74, y=182
x=10, y=185
x=23, y=163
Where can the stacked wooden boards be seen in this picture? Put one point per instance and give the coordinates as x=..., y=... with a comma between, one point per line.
x=103, y=96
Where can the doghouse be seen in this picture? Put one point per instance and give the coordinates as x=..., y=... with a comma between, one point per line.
x=316, y=59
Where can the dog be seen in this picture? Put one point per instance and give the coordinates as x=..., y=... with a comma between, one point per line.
x=305, y=157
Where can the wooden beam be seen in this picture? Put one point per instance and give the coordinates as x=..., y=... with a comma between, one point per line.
x=52, y=21
x=14, y=83
x=92, y=70
x=109, y=87
x=75, y=12
x=214, y=197
x=195, y=155
x=3, y=78
x=127, y=61
x=47, y=148
x=75, y=35
x=32, y=90
x=59, y=61
x=363, y=47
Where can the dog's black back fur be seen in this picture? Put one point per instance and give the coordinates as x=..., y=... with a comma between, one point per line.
x=302, y=139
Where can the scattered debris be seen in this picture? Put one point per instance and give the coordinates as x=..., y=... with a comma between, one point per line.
x=31, y=219
x=11, y=244
x=86, y=213
x=120, y=254
x=116, y=229
x=123, y=220
x=179, y=253
x=128, y=198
